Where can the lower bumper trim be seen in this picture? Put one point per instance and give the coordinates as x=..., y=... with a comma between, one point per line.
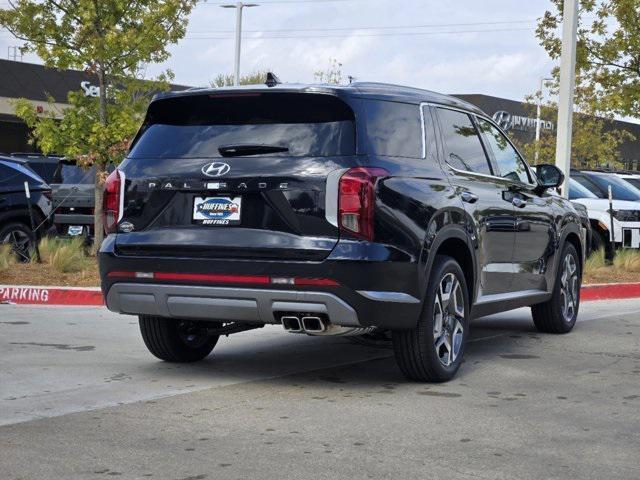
x=225, y=304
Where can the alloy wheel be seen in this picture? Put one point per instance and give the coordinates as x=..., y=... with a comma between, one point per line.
x=20, y=244
x=569, y=288
x=448, y=319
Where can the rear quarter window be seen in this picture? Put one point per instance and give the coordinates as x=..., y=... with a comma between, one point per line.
x=393, y=129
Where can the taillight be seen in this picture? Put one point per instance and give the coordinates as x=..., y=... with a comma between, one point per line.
x=356, y=200
x=112, y=201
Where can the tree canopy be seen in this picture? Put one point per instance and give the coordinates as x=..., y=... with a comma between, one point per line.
x=608, y=53
x=107, y=39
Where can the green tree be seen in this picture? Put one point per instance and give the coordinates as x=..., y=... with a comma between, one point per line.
x=108, y=39
x=226, y=80
x=608, y=52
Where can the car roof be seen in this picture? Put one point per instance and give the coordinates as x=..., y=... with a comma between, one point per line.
x=365, y=90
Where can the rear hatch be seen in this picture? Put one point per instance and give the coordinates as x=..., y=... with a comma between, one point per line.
x=73, y=196
x=235, y=175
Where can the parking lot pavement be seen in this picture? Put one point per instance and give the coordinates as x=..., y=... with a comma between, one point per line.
x=81, y=398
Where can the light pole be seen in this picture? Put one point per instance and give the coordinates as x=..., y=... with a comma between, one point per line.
x=538, y=119
x=566, y=90
x=238, y=6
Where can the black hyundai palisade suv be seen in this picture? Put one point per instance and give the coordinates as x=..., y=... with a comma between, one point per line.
x=333, y=210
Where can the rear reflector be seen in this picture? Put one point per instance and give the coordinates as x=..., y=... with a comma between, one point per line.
x=219, y=278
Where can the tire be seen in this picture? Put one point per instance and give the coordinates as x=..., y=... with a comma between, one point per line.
x=174, y=340
x=21, y=239
x=598, y=241
x=559, y=314
x=415, y=350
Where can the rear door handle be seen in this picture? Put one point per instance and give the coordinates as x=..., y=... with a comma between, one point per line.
x=469, y=197
x=518, y=202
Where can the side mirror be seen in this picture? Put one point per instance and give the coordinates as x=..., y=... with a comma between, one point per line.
x=549, y=176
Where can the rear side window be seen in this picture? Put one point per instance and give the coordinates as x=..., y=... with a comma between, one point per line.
x=265, y=124
x=394, y=129
x=463, y=148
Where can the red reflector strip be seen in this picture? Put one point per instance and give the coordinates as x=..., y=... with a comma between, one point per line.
x=219, y=278
x=214, y=278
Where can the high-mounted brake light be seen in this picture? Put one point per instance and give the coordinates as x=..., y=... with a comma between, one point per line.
x=356, y=200
x=112, y=202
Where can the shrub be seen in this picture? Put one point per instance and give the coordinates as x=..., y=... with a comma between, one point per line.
x=627, y=260
x=596, y=261
x=64, y=255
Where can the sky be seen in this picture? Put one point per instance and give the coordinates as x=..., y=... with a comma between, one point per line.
x=462, y=46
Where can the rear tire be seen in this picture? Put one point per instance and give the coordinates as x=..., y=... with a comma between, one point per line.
x=19, y=236
x=433, y=351
x=559, y=314
x=174, y=340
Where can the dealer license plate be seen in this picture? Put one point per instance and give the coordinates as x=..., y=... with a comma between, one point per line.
x=217, y=210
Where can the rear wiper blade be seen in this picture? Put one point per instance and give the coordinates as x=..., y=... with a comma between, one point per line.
x=245, y=150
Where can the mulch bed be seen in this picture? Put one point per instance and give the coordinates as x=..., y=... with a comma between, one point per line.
x=43, y=274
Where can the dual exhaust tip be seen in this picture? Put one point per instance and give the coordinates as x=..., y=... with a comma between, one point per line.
x=305, y=324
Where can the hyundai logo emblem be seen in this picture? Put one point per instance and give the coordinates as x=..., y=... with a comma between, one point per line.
x=503, y=119
x=215, y=169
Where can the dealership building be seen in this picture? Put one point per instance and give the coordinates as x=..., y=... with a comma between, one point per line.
x=37, y=83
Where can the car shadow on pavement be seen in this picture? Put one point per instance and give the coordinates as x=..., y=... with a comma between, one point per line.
x=281, y=358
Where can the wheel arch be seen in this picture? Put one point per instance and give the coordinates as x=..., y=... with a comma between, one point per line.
x=454, y=242
x=574, y=240
x=571, y=234
x=21, y=216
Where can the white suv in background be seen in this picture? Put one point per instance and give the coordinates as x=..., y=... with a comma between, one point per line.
x=590, y=190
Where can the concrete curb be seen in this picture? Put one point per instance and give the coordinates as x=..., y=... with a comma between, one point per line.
x=34, y=295
x=92, y=296
x=610, y=291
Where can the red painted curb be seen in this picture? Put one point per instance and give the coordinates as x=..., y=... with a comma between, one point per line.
x=613, y=291
x=29, y=295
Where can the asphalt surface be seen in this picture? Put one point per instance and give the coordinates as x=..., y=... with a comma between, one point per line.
x=80, y=397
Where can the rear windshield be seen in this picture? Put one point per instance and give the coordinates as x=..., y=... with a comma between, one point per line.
x=70, y=173
x=269, y=124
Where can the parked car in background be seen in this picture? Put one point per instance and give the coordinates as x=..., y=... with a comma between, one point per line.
x=591, y=190
x=632, y=178
x=73, y=198
x=15, y=223
x=44, y=165
x=333, y=210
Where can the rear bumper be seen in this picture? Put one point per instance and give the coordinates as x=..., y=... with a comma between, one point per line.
x=225, y=304
x=381, y=294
